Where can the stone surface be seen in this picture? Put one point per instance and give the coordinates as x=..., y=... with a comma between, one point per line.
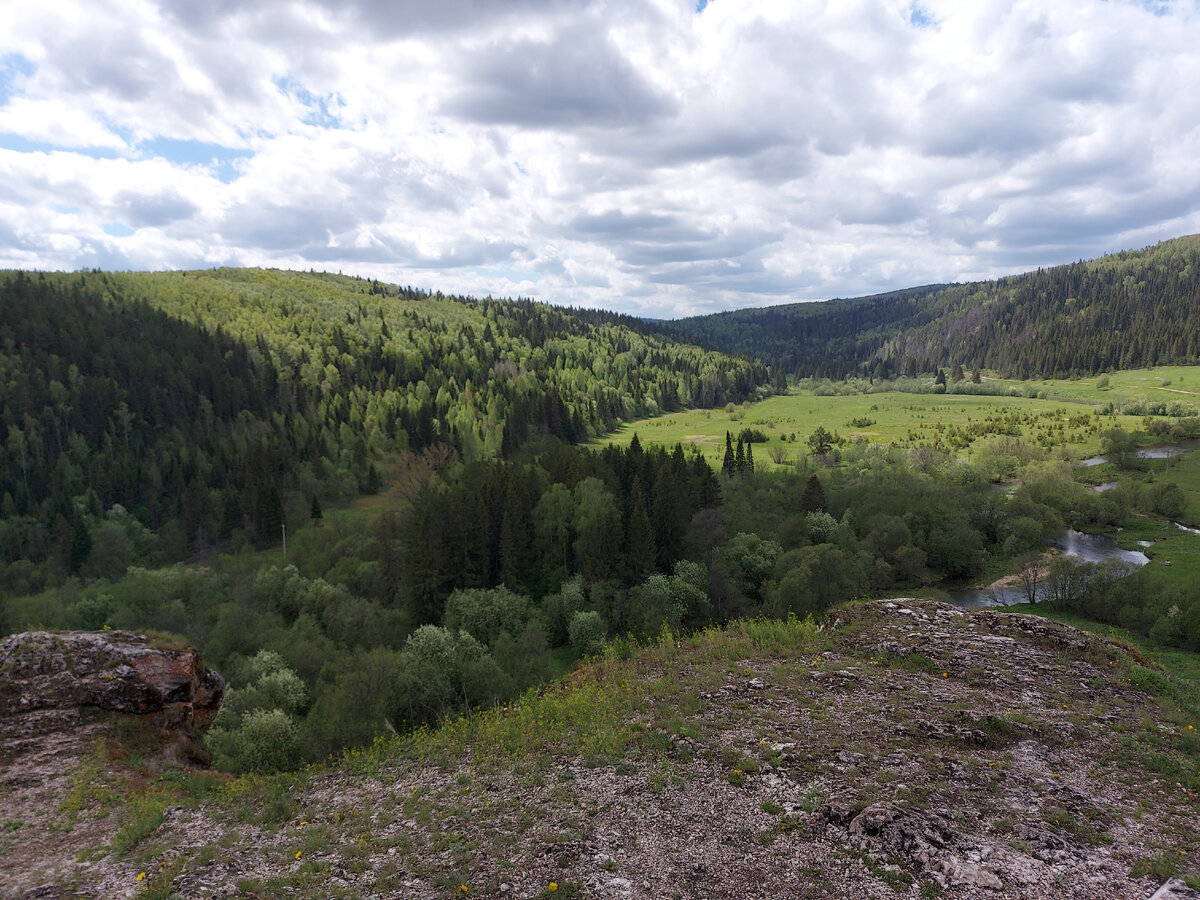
x=69, y=703
x=54, y=681
x=915, y=750
x=1175, y=889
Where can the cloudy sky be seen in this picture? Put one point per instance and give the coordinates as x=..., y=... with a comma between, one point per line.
x=661, y=157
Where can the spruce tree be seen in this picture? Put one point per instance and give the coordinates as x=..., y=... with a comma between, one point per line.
x=813, y=498
x=727, y=465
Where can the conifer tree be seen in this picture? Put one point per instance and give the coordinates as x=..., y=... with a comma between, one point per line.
x=727, y=465
x=813, y=498
x=640, y=549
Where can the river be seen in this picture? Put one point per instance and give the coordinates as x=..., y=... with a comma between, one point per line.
x=1085, y=547
x=1148, y=453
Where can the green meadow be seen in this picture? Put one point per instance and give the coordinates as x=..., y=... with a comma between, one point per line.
x=949, y=422
x=1157, y=384
x=1175, y=553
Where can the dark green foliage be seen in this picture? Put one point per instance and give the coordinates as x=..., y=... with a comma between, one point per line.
x=813, y=498
x=209, y=403
x=1124, y=311
x=1120, y=447
x=497, y=546
x=820, y=441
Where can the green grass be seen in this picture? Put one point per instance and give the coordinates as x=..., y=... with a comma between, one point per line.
x=952, y=421
x=1134, y=385
x=1175, y=554
x=1185, y=472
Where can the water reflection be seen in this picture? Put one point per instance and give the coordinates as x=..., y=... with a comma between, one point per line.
x=1148, y=453
x=1086, y=547
x=1096, y=548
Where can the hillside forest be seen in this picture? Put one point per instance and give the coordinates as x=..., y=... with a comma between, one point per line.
x=370, y=507
x=1123, y=311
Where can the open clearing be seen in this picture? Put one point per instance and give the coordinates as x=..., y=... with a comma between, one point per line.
x=951, y=422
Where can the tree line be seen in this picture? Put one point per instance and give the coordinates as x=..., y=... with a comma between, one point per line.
x=500, y=572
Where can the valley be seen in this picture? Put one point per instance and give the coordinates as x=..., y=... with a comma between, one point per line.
x=419, y=533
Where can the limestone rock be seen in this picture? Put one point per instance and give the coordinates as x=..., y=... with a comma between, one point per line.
x=1174, y=889
x=55, y=682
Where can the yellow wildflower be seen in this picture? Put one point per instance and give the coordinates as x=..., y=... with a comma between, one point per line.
x=298, y=853
x=140, y=877
x=553, y=885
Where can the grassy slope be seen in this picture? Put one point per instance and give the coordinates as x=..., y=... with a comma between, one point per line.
x=1156, y=384
x=772, y=734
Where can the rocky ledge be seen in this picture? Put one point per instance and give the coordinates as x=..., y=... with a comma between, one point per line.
x=73, y=704
x=55, y=683
x=907, y=749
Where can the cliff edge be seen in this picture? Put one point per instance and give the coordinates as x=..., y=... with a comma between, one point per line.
x=905, y=749
x=73, y=705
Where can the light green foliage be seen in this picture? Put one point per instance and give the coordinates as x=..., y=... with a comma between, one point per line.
x=810, y=579
x=1120, y=446
x=598, y=526
x=822, y=527
x=953, y=423
x=674, y=601
x=486, y=613
x=257, y=729
x=267, y=740
x=444, y=671
x=587, y=632
x=560, y=607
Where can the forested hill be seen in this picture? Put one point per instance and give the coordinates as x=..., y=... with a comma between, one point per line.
x=1126, y=310
x=197, y=404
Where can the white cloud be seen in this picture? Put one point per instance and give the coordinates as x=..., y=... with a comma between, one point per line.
x=624, y=153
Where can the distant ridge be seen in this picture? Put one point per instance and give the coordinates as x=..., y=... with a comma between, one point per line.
x=1125, y=310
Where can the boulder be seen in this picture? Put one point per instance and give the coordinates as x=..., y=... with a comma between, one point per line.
x=57, y=681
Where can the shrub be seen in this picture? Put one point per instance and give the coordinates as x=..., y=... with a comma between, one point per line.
x=752, y=436
x=268, y=740
x=587, y=632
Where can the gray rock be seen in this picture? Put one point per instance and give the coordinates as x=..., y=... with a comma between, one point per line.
x=1174, y=889
x=51, y=681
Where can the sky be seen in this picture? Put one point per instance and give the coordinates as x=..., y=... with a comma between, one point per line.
x=657, y=157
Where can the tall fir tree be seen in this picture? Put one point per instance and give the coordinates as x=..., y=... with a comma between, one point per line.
x=727, y=464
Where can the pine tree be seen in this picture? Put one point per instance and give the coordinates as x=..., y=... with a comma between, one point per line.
x=373, y=481
x=640, y=552
x=739, y=457
x=749, y=457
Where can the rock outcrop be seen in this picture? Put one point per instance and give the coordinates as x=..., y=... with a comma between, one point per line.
x=62, y=682
x=906, y=749
x=75, y=709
